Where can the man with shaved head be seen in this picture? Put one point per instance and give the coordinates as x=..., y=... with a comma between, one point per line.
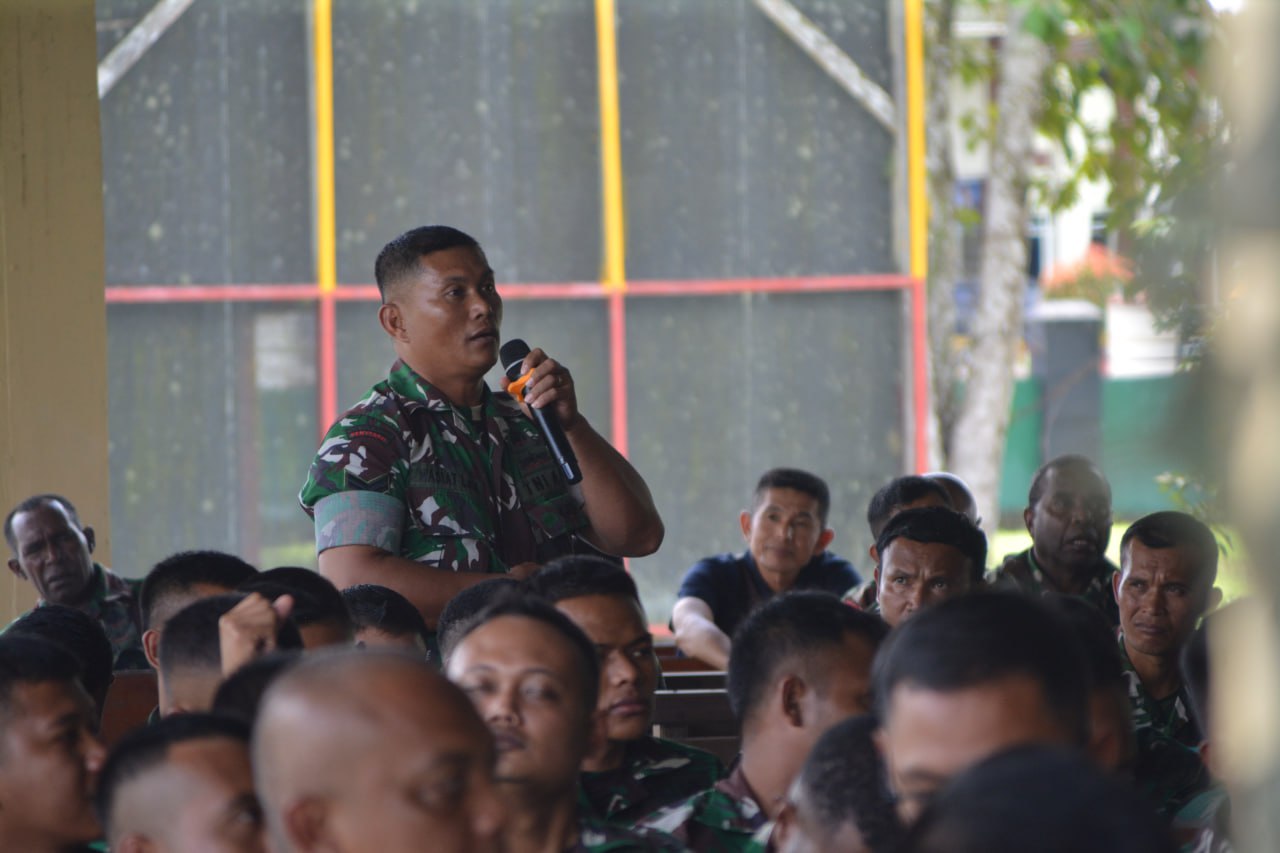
x=183, y=783
x=364, y=750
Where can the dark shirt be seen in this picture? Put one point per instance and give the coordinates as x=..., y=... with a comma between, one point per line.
x=654, y=773
x=732, y=585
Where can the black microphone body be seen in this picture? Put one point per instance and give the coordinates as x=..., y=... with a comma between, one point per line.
x=513, y=353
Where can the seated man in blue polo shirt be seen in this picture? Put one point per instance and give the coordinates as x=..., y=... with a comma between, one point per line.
x=787, y=538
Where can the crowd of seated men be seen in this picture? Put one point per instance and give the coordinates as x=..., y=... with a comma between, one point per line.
x=930, y=700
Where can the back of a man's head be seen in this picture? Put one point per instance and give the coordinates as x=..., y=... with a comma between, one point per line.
x=794, y=631
x=81, y=635
x=798, y=481
x=380, y=612
x=137, y=799
x=191, y=654
x=319, y=610
x=577, y=576
x=180, y=579
x=458, y=613
x=901, y=493
x=983, y=638
x=339, y=733
x=840, y=795
x=1038, y=798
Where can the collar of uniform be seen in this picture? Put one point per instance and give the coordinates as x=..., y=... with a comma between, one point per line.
x=406, y=382
x=1037, y=573
x=744, y=799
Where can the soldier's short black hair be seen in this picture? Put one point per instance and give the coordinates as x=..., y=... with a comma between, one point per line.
x=900, y=492
x=172, y=579
x=801, y=481
x=241, y=693
x=1103, y=665
x=982, y=638
x=1179, y=530
x=576, y=576
x=35, y=502
x=191, y=638
x=78, y=633
x=844, y=780
x=1041, y=798
x=27, y=659
x=937, y=524
x=1069, y=460
x=515, y=602
x=315, y=599
x=793, y=626
x=400, y=257
x=384, y=609
x=460, y=610
x=146, y=748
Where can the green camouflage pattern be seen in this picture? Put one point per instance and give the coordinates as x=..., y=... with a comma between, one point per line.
x=864, y=596
x=1021, y=572
x=1167, y=767
x=654, y=773
x=725, y=818
x=597, y=836
x=114, y=604
x=478, y=495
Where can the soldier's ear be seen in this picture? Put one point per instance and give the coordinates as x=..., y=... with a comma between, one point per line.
x=90, y=538
x=16, y=568
x=391, y=320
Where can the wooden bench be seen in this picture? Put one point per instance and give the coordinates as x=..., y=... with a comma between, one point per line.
x=710, y=680
x=697, y=717
x=130, y=700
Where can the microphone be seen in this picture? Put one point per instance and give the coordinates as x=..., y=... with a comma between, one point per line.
x=512, y=354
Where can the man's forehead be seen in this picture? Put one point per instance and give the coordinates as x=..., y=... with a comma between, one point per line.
x=1172, y=560
x=49, y=512
x=39, y=702
x=1076, y=478
x=904, y=551
x=787, y=499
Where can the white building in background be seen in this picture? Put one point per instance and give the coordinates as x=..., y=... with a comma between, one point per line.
x=1133, y=347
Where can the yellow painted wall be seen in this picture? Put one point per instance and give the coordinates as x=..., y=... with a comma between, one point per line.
x=53, y=335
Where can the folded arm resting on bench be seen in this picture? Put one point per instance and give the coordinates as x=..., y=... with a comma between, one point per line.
x=697, y=634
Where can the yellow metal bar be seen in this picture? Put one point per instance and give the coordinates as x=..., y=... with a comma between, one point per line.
x=322, y=88
x=614, y=272
x=917, y=190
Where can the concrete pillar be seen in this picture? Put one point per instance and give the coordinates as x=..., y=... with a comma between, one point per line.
x=53, y=331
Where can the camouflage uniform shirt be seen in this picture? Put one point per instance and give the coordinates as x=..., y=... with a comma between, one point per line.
x=597, y=836
x=1167, y=768
x=654, y=773
x=1202, y=825
x=865, y=596
x=1022, y=572
x=407, y=471
x=114, y=603
x=722, y=819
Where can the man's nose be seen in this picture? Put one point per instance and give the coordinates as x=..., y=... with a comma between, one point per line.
x=622, y=669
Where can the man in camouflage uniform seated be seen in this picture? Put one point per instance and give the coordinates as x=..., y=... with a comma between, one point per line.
x=433, y=479
x=1168, y=564
x=52, y=551
x=533, y=677
x=628, y=774
x=799, y=664
x=1068, y=515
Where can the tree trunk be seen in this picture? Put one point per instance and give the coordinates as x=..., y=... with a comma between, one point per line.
x=977, y=440
x=944, y=250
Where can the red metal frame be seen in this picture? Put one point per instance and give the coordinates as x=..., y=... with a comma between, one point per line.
x=326, y=338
